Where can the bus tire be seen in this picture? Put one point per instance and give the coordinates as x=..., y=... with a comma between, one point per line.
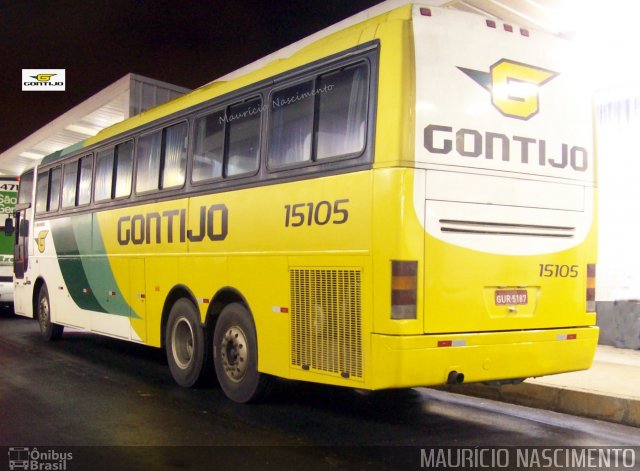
x=235, y=356
x=185, y=342
x=48, y=329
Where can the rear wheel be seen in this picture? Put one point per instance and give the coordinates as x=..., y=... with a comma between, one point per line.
x=235, y=356
x=185, y=342
x=48, y=329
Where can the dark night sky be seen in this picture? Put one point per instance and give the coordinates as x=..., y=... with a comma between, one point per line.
x=187, y=43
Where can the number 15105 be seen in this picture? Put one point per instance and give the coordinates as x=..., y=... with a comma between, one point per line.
x=551, y=270
x=320, y=213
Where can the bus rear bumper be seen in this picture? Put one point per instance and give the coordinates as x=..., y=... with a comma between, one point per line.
x=428, y=360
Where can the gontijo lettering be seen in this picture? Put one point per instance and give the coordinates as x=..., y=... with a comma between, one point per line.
x=171, y=226
x=473, y=143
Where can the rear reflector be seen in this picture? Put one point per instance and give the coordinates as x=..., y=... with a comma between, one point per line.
x=452, y=343
x=404, y=287
x=491, y=23
x=425, y=11
x=591, y=287
x=567, y=336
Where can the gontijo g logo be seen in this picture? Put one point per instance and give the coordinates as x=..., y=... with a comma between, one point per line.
x=43, y=77
x=513, y=86
x=43, y=80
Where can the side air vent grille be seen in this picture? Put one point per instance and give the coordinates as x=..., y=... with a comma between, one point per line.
x=507, y=229
x=326, y=325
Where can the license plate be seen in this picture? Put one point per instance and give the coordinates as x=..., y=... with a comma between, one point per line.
x=511, y=297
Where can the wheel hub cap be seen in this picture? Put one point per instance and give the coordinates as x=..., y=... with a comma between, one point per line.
x=234, y=353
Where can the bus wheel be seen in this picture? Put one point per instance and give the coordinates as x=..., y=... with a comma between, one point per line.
x=185, y=342
x=48, y=329
x=235, y=356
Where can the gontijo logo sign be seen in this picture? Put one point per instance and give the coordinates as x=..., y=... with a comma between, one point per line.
x=43, y=80
x=513, y=86
x=514, y=92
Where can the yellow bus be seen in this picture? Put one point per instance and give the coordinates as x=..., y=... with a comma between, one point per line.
x=404, y=200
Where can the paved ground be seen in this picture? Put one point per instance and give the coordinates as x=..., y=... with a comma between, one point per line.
x=116, y=405
x=609, y=390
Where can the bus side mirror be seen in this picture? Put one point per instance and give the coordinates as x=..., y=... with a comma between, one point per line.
x=24, y=228
x=9, y=228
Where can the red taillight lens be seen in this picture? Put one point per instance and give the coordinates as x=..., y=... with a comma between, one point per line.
x=591, y=287
x=404, y=288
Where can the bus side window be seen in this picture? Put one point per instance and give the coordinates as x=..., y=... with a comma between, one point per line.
x=174, y=156
x=123, y=169
x=104, y=174
x=342, y=111
x=42, y=193
x=54, y=189
x=291, y=125
x=208, y=150
x=161, y=159
x=69, y=184
x=243, y=122
x=148, y=162
x=84, y=180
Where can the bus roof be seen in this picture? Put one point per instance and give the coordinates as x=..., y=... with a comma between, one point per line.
x=318, y=44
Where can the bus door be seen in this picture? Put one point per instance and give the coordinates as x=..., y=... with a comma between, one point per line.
x=20, y=248
x=21, y=243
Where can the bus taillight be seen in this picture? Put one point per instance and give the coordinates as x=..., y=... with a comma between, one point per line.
x=404, y=286
x=591, y=287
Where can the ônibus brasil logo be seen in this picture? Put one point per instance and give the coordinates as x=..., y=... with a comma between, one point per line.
x=43, y=80
x=513, y=86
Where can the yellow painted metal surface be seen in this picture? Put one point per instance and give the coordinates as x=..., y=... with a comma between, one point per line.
x=253, y=239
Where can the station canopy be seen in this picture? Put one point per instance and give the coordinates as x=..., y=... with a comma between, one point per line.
x=130, y=95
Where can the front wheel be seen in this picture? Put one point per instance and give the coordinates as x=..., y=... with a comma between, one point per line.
x=48, y=329
x=235, y=356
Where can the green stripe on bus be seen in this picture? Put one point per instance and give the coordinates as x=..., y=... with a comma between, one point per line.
x=85, y=267
x=54, y=156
